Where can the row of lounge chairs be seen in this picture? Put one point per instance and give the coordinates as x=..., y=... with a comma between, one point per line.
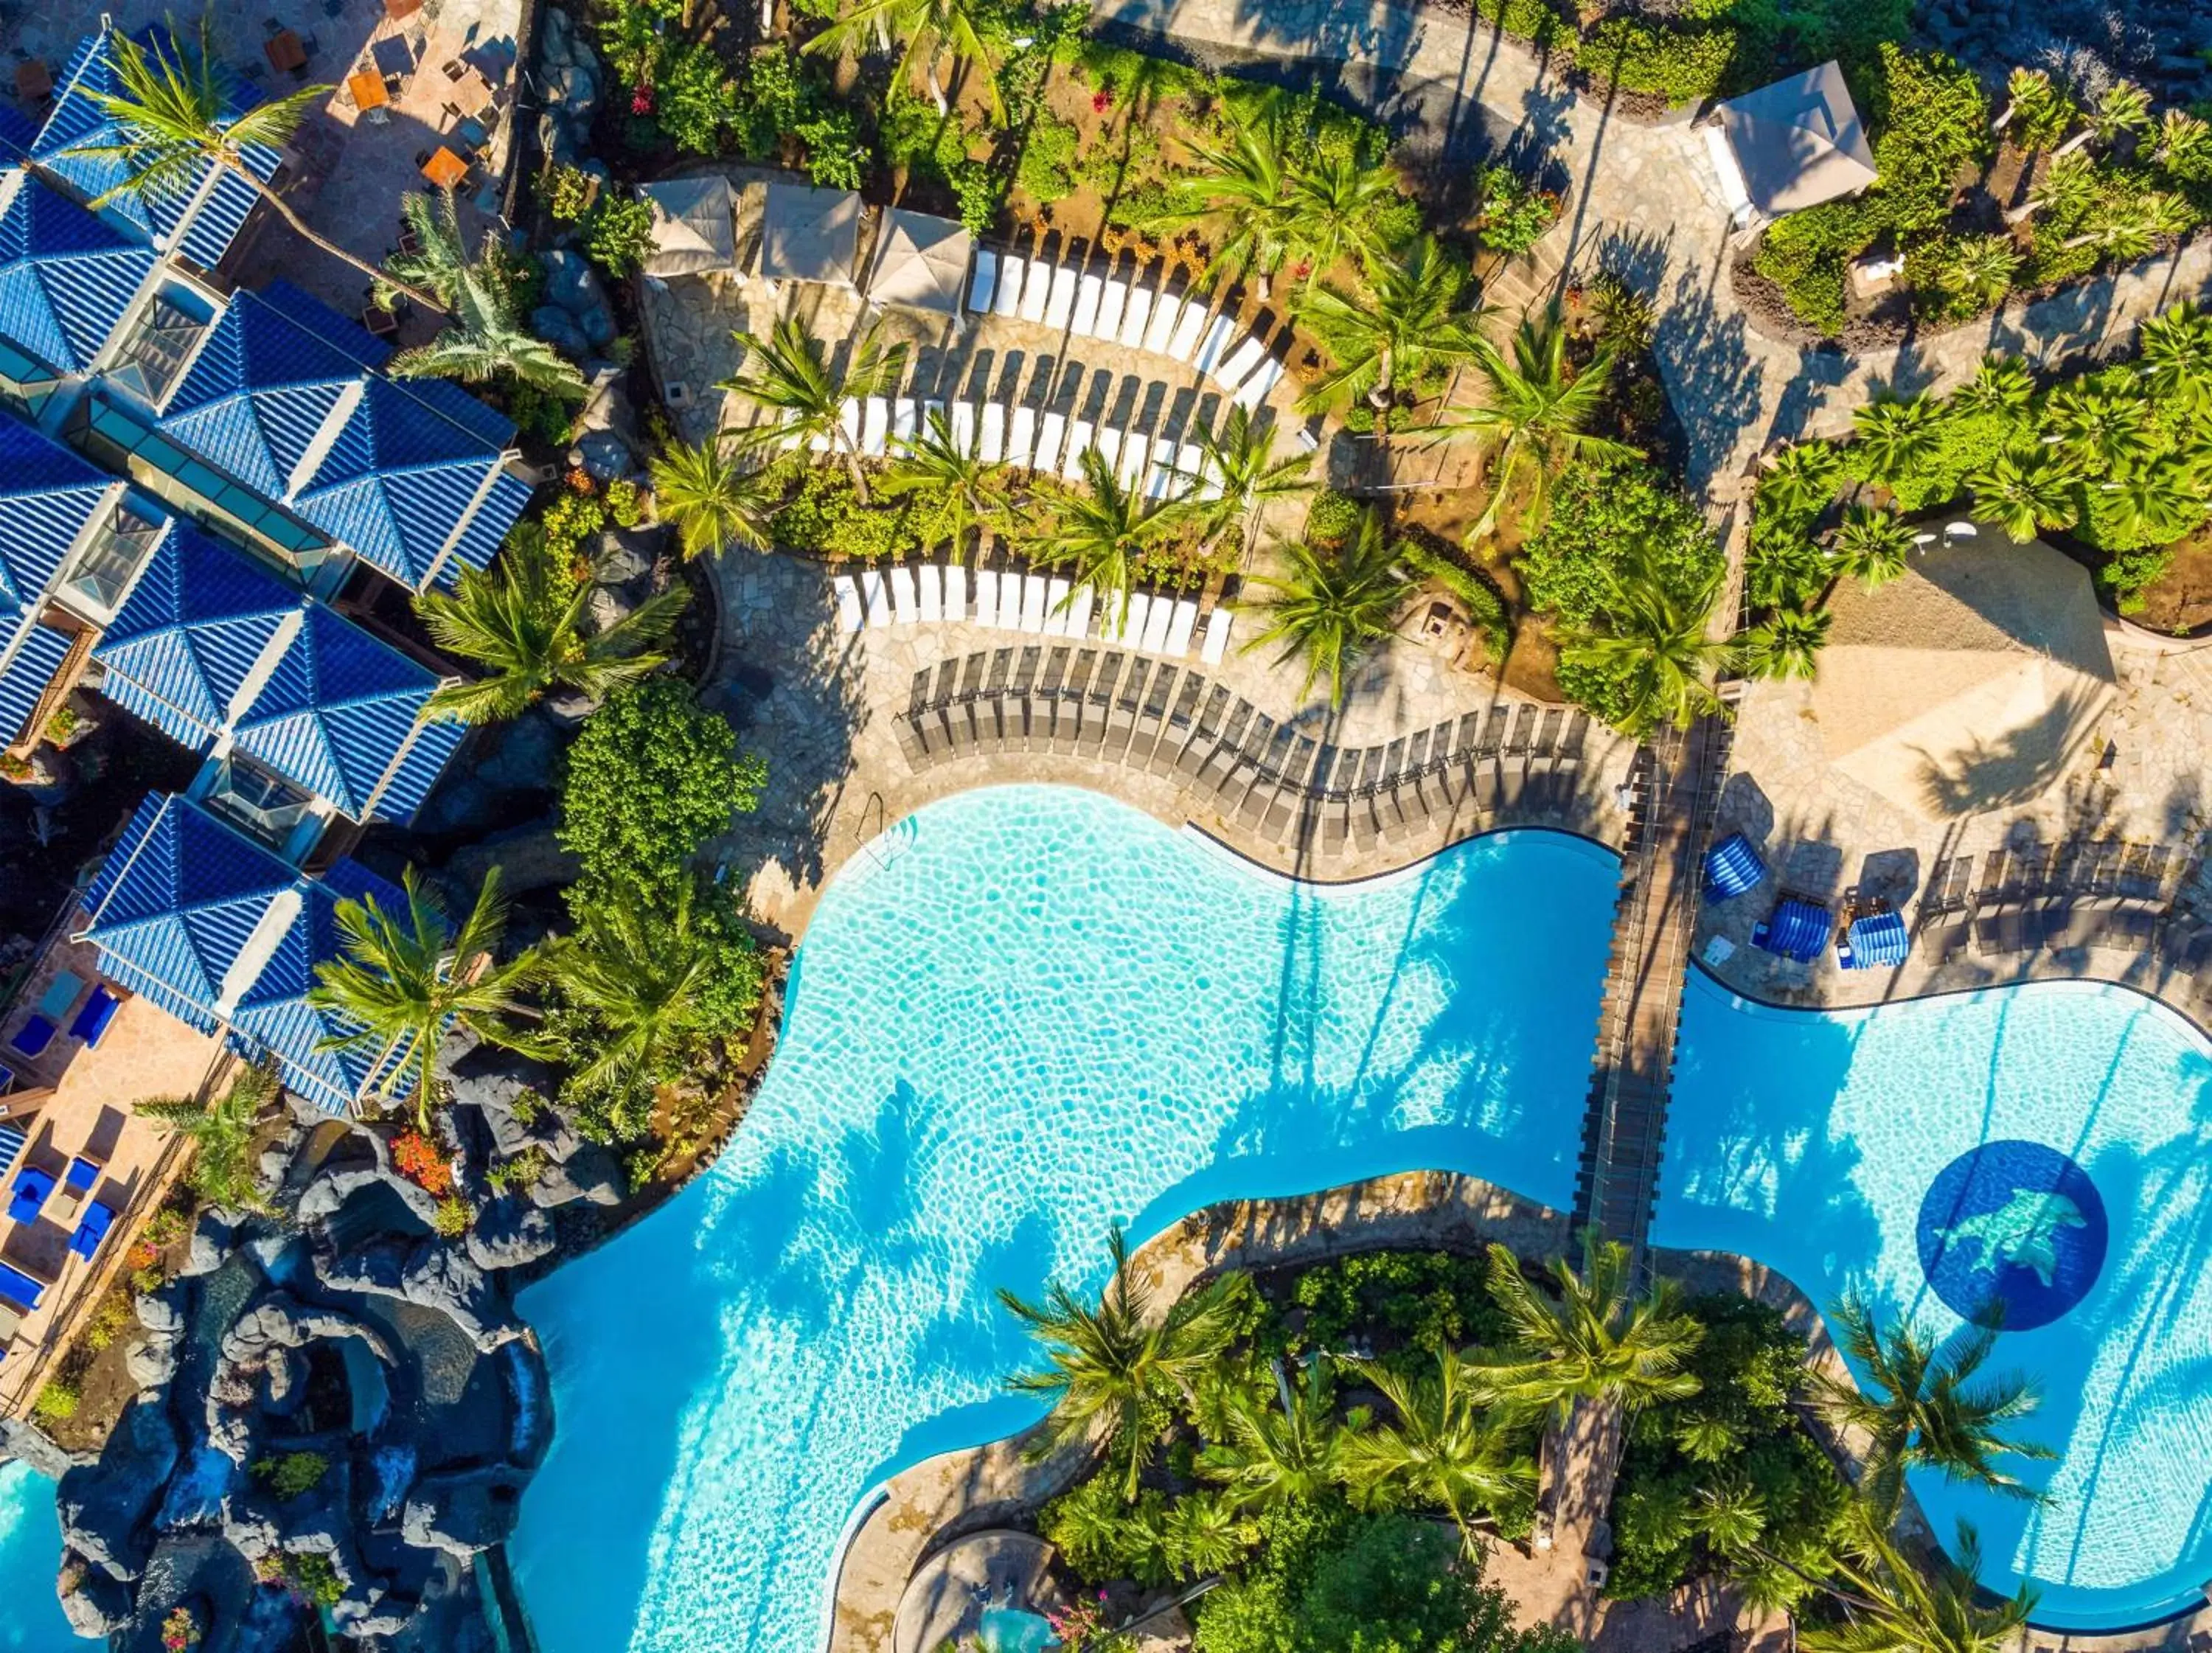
x=1129, y=313
x=2085, y=893
x=1043, y=606
x=1268, y=777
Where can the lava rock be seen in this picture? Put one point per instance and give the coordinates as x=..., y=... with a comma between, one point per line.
x=210, y=1246
x=157, y=1314
x=444, y=1280
x=333, y=1188
x=94, y=1604
x=604, y=455
x=571, y=282
x=556, y=43
x=559, y=329
x=509, y=1233
x=464, y=1512
x=151, y=1364
x=104, y=1505
x=592, y=1174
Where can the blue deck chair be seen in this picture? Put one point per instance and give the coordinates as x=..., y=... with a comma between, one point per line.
x=98, y=1220
x=1877, y=940
x=33, y=1037
x=92, y=1021
x=82, y=1174
x=32, y=1186
x=19, y=1288
x=1732, y=867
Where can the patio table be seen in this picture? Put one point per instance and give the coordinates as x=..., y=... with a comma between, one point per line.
x=367, y=87
x=284, y=51
x=445, y=168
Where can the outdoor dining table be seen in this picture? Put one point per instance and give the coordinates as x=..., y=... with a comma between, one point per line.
x=284, y=51
x=471, y=94
x=367, y=87
x=445, y=168
x=34, y=83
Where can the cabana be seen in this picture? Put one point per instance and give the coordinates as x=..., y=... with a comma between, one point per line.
x=1875, y=940
x=1732, y=867
x=694, y=226
x=1797, y=929
x=1793, y=144
x=32, y=1188
x=810, y=235
x=98, y=1220
x=920, y=264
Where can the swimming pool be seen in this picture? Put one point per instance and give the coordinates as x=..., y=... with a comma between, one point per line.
x=30, y=1555
x=1035, y=1010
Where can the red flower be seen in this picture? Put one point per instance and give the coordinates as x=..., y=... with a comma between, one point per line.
x=640, y=102
x=1102, y=99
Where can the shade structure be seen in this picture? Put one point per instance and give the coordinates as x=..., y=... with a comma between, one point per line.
x=1798, y=141
x=1875, y=940
x=694, y=226
x=1732, y=866
x=921, y=262
x=810, y=236
x=1797, y=929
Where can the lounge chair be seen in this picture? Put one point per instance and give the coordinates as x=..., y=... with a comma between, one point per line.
x=960, y=426
x=1256, y=388
x=1059, y=298
x=1090, y=291
x=33, y=1037
x=1109, y=443
x=955, y=591
x=1216, y=341
x=1155, y=625
x=1136, y=459
x=31, y=1189
x=1182, y=622
x=875, y=427
x=1220, y=757
x=905, y=607
x=1013, y=271
x=906, y=419
x=20, y=1289
x=912, y=747
x=1034, y=608
x=1098, y=702
x=1175, y=732
x=1135, y=617
x=876, y=598
x=91, y=1231
x=1078, y=444
x=1010, y=601
x=1183, y=344
x=1055, y=606
x=1241, y=366
x=1134, y=318
x=1036, y=291
x=1111, y=303
x=91, y=1022
x=929, y=579
x=994, y=433
x=1122, y=720
x=1021, y=437
x=1217, y=626
x=1167, y=316
x=1205, y=732
x=984, y=282
x=81, y=1177
x=1151, y=716
x=1067, y=710
x=987, y=597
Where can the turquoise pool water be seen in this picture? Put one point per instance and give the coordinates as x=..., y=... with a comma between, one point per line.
x=30, y=1553
x=1042, y=1011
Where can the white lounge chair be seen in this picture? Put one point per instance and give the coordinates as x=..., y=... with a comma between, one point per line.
x=1181, y=625
x=1109, y=444
x=1167, y=316
x=906, y=418
x=850, y=615
x=905, y=609
x=987, y=597
x=875, y=427
x=1012, y=271
x=1078, y=444
x=1060, y=300
x=1240, y=365
x=1136, y=453
x=848, y=420
x=1052, y=432
x=1215, y=342
x=1033, y=605
x=1217, y=634
x=1161, y=482
x=1111, y=303
x=878, y=600
x=955, y=591
x=1078, y=612
x=1209, y=479
x=1135, y=317
x=1134, y=620
x=1089, y=291
x=1036, y=290
x=984, y=282
x=817, y=443
x=931, y=578
x=962, y=424
x=1190, y=460
x=1183, y=344
x=994, y=433
x=1021, y=436
x=1010, y=601
x=1055, y=606
x=1156, y=626
x=1258, y=385
x=933, y=408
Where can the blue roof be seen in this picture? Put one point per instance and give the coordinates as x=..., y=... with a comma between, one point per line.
x=18, y=132
x=23, y=680
x=65, y=277
x=47, y=494
x=175, y=904
x=1878, y=938
x=165, y=222
x=1797, y=929
x=499, y=511
x=1732, y=866
x=259, y=392
x=195, y=625
x=340, y=332
x=274, y=1019
x=337, y=713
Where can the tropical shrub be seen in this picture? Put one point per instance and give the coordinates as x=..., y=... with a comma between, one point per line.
x=1429, y=1300
x=1512, y=213
x=290, y=1474
x=619, y=232
x=695, y=99
x=1808, y=255
x=1046, y=171
x=770, y=95
x=59, y=1401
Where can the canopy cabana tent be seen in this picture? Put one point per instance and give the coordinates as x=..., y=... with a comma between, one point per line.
x=1797, y=929
x=1795, y=143
x=694, y=226
x=921, y=263
x=1732, y=866
x=810, y=235
x=1875, y=940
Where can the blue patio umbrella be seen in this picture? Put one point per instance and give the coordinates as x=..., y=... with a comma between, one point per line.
x=1732, y=866
x=1797, y=929
x=1877, y=940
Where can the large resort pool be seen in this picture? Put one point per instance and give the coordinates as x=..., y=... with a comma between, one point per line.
x=1027, y=1013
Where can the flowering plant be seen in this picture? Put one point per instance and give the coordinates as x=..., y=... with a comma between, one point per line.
x=415, y=1157
x=640, y=100
x=179, y=1630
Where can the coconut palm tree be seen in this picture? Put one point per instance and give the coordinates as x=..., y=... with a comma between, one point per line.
x=531, y=641
x=2025, y=492
x=1652, y=635
x=2001, y=384
x=1330, y=608
x=1288, y=1454
x=971, y=489
x=1535, y=415
x=1442, y=1450
x=1101, y=534
x=1896, y=433
x=1870, y=545
x=171, y=116
x=924, y=31
x=484, y=337
x=787, y=372
x=1800, y=479
x=1414, y=317
x=2175, y=364
x=1112, y=1373
x=1238, y=458
x=2155, y=504
x=1922, y=1407
x=1597, y=1340
x=1785, y=645
x=1893, y=1604
x=713, y=498
x=639, y=977
x=1981, y=267
x=220, y=1130
x=1246, y=183
x=1786, y=570
x=1205, y=1533
x=403, y=982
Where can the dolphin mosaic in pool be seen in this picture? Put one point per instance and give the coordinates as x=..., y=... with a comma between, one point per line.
x=2012, y=1235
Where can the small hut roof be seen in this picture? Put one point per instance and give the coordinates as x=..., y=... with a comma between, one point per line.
x=694, y=226
x=1799, y=142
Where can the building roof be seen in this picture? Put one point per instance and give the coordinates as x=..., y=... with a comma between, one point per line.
x=199, y=219
x=274, y=1019
x=37, y=652
x=694, y=226
x=66, y=277
x=1799, y=142
x=258, y=394
x=810, y=236
x=1966, y=683
x=47, y=497
x=921, y=263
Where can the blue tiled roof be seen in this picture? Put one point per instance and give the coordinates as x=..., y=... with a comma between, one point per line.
x=23, y=680
x=65, y=277
x=175, y=904
x=18, y=132
x=498, y=511
x=259, y=392
x=337, y=711
x=418, y=770
x=47, y=494
x=78, y=118
x=274, y=1019
x=340, y=332
x=185, y=643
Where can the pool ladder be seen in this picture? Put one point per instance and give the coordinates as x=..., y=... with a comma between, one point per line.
x=884, y=845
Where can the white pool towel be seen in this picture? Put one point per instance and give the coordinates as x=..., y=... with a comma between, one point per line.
x=1078, y=444
x=955, y=591
x=1109, y=444
x=1235, y=371
x=931, y=579
x=1008, y=298
x=1052, y=431
x=1258, y=385
x=1055, y=606
x=1036, y=291
x=875, y=427
x=1134, y=455
x=994, y=433
x=1189, y=330
x=1021, y=436
x=1167, y=316
x=873, y=594
x=1060, y=300
x=1134, y=318
x=984, y=282
x=906, y=414
x=848, y=420
x=963, y=425
x=1215, y=342
x=1010, y=601
x=1156, y=626
x=1180, y=628
x=1139, y=615
x=1089, y=292
x=1111, y=303
x=1033, y=605
x=987, y=597
x=1078, y=612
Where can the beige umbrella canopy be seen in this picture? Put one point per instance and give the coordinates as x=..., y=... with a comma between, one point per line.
x=1799, y=142
x=921, y=262
x=694, y=226
x=1966, y=683
x=809, y=235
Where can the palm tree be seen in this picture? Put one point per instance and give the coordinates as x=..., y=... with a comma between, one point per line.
x=1335, y=201
x=1785, y=645
x=1120, y=1365
x=1205, y=1533
x=1273, y=1456
x=1535, y=415
x=1103, y=534
x=2001, y=384
x=788, y=373
x=2069, y=188
x=1597, y=1340
x=1442, y=1450
x=401, y=984
x=2183, y=139
x=2023, y=492
x=484, y=337
x=972, y=491
x=639, y=977
x=1870, y=546
x=1981, y=267
x=1802, y=478
x=1921, y=1407
x=530, y=642
x=714, y=500
x=2036, y=110
x=220, y=1130
x=1332, y=607
x=924, y=29
x=2127, y=227
x=1893, y=1604
x=2125, y=107
x=172, y=118
x=2101, y=429
x=1413, y=319
x=1652, y=635
x=2177, y=358
x=1246, y=182
x=2156, y=504
x=1896, y=433
x=1239, y=460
